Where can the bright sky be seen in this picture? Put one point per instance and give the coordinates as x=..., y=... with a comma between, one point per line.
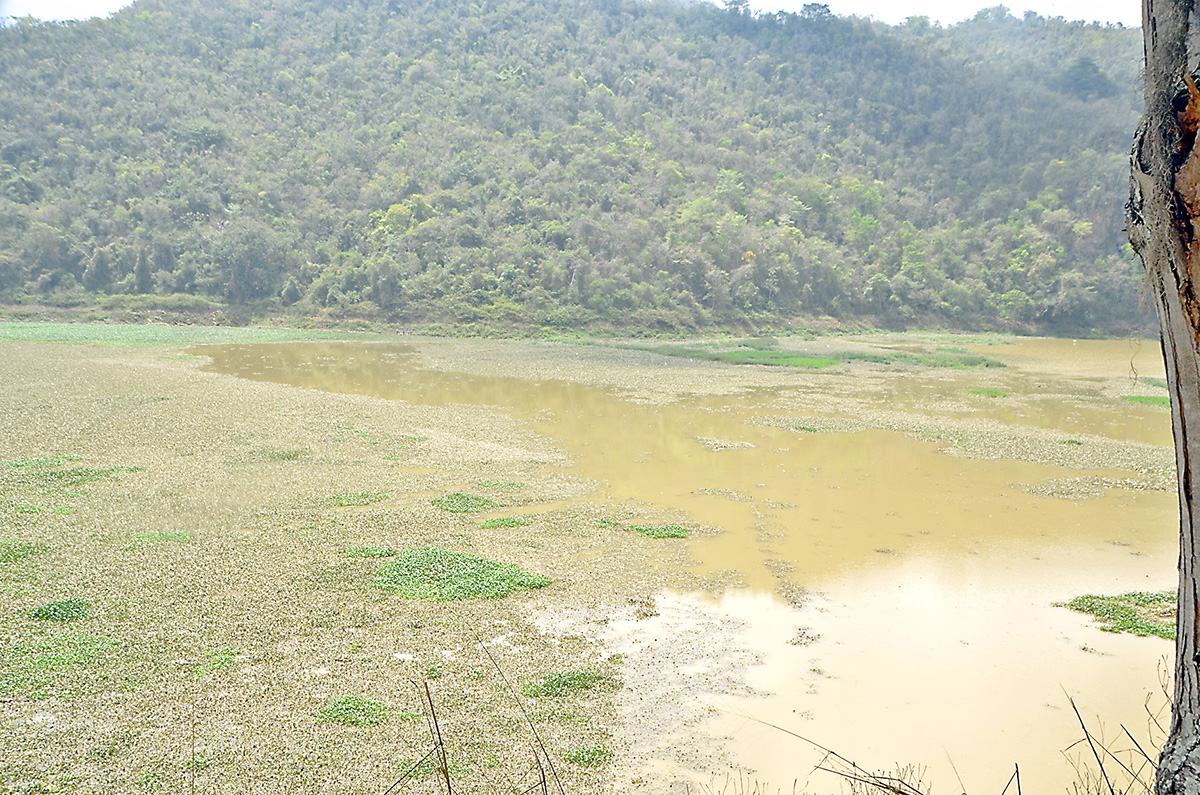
x=1127, y=12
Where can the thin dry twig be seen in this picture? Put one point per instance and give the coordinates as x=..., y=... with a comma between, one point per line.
x=528, y=720
x=1088, y=736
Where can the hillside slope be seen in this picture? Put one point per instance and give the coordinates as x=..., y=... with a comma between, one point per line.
x=564, y=163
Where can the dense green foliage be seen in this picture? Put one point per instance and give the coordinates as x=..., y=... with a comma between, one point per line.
x=626, y=164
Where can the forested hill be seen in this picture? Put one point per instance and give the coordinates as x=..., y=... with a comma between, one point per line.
x=624, y=164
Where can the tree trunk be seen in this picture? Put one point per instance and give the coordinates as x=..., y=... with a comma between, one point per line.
x=1164, y=228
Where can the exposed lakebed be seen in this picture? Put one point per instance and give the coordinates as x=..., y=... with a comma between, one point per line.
x=875, y=552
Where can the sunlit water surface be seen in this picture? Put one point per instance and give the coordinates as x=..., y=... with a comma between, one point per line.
x=930, y=631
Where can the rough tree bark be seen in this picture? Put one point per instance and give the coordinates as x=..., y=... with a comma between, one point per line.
x=1164, y=228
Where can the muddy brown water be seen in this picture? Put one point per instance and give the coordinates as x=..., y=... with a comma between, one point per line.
x=898, y=602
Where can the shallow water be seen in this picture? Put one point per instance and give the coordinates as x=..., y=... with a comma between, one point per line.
x=930, y=627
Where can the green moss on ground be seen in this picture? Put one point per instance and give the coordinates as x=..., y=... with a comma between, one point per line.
x=443, y=575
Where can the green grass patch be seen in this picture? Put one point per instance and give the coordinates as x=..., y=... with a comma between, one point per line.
x=507, y=485
x=606, y=522
x=504, y=521
x=34, y=667
x=592, y=756
x=770, y=358
x=219, y=659
x=1138, y=612
x=557, y=685
x=991, y=393
x=1149, y=400
x=371, y=552
x=661, y=530
x=65, y=610
x=37, y=463
x=458, y=502
x=442, y=575
x=743, y=353
x=154, y=335
x=355, y=711
x=1161, y=383
x=50, y=474
x=352, y=498
x=14, y=549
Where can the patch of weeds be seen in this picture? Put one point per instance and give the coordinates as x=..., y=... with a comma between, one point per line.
x=1138, y=612
x=606, y=522
x=352, y=498
x=504, y=521
x=219, y=659
x=745, y=354
x=35, y=666
x=458, y=502
x=661, y=530
x=1149, y=400
x=434, y=673
x=592, y=756
x=66, y=510
x=1072, y=441
x=443, y=575
x=371, y=552
x=1161, y=383
x=151, y=781
x=14, y=549
x=557, y=685
x=160, y=535
x=992, y=393
x=65, y=610
x=500, y=484
x=355, y=711
x=199, y=763
x=34, y=463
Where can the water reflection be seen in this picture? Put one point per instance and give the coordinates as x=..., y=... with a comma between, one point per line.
x=932, y=578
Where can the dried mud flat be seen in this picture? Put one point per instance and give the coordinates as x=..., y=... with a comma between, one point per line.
x=205, y=534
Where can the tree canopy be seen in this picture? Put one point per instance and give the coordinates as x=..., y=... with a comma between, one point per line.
x=632, y=164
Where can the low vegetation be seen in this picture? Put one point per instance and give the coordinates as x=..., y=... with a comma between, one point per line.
x=355, y=711
x=660, y=530
x=592, y=756
x=504, y=521
x=371, y=552
x=35, y=667
x=444, y=575
x=765, y=354
x=64, y=610
x=14, y=549
x=458, y=502
x=353, y=498
x=1138, y=612
x=1163, y=401
x=557, y=685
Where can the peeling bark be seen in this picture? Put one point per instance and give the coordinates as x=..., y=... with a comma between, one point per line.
x=1164, y=227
